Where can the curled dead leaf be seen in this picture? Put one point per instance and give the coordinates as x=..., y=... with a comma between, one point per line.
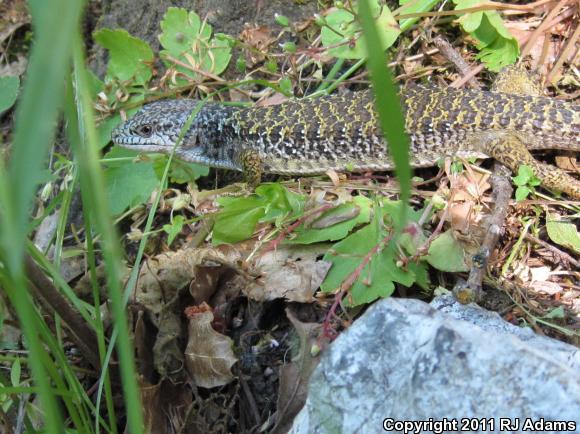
x=208, y=355
x=290, y=272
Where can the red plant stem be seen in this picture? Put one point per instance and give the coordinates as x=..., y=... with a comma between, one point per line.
x=347, y=284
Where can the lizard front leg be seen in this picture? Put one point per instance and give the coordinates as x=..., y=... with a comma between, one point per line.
x=251, y=164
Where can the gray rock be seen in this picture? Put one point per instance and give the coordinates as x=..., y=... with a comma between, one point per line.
x=408, y=361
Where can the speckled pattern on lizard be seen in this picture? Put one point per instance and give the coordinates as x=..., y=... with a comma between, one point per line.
x=342, y=133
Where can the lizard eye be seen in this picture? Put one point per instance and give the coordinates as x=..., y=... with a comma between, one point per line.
x=145, y=130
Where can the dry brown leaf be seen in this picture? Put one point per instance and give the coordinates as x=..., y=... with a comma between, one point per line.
x=259, y=38
x=568, y=163
x=13, y=15
x=334, y=178
x=540, y=274
x=465, y=210
x=290, y=272
x=550, y=288
x=208, y=355
x=165, y=406
x=274, y=99
x=167, y=351
x=162, y=276
x=469, y=185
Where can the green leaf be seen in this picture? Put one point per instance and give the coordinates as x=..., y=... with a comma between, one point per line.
x=469, y=21
x=271, y=66
x=95, y=84
x=105, y=128
x=241, y=64
x=237, y=219
x=308, y=235
x=174, y=228
x=286, y=86
x=180, y=172
x=522, y=193
x=414, y=7
x=556, y=313
x=563, y=233
x=525, y=176
x=497, y=46
x=500, y=52
x=187, y=39
x=289, y=47
x=282, y=20
x=128, y=183
x=9, y=86
x=15, y=372
x=342, y=28
x=371, y=247
x=446, y=254
x=526, y=181
x=130, y=58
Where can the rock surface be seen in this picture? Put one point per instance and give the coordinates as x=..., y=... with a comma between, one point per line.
x=409, y=361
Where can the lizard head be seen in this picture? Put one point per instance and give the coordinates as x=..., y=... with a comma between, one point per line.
x=156, y=127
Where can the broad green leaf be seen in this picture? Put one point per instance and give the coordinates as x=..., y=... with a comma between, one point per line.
x=130, y=58
x=238, y=219
x=189, y=40
x=308, y=235
x=472, y=20
x=105, y=128
x=563, y=233
x=9, y=86
x=174, y=228
x=377, y=277
x=342, y=29
x=500, y=51
x=522, y=193
x=497, y=46
x=556, y=313
x=128, y=183
x=180, y=172
x=525, y=174
x=379, y=253
x=413, y=7
x=525, y=180
x=180, y=28
x=446, y=254
x=280, y=202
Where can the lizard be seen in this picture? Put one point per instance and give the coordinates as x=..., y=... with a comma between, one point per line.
x=342, y=132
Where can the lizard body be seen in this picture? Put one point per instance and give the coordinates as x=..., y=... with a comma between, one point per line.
x=342, y=133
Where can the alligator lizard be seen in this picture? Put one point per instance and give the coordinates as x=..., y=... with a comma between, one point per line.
x=341, y=132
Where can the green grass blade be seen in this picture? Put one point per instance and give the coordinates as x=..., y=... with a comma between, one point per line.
x=55, y=23
x=392, y=119
x=85, y=146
